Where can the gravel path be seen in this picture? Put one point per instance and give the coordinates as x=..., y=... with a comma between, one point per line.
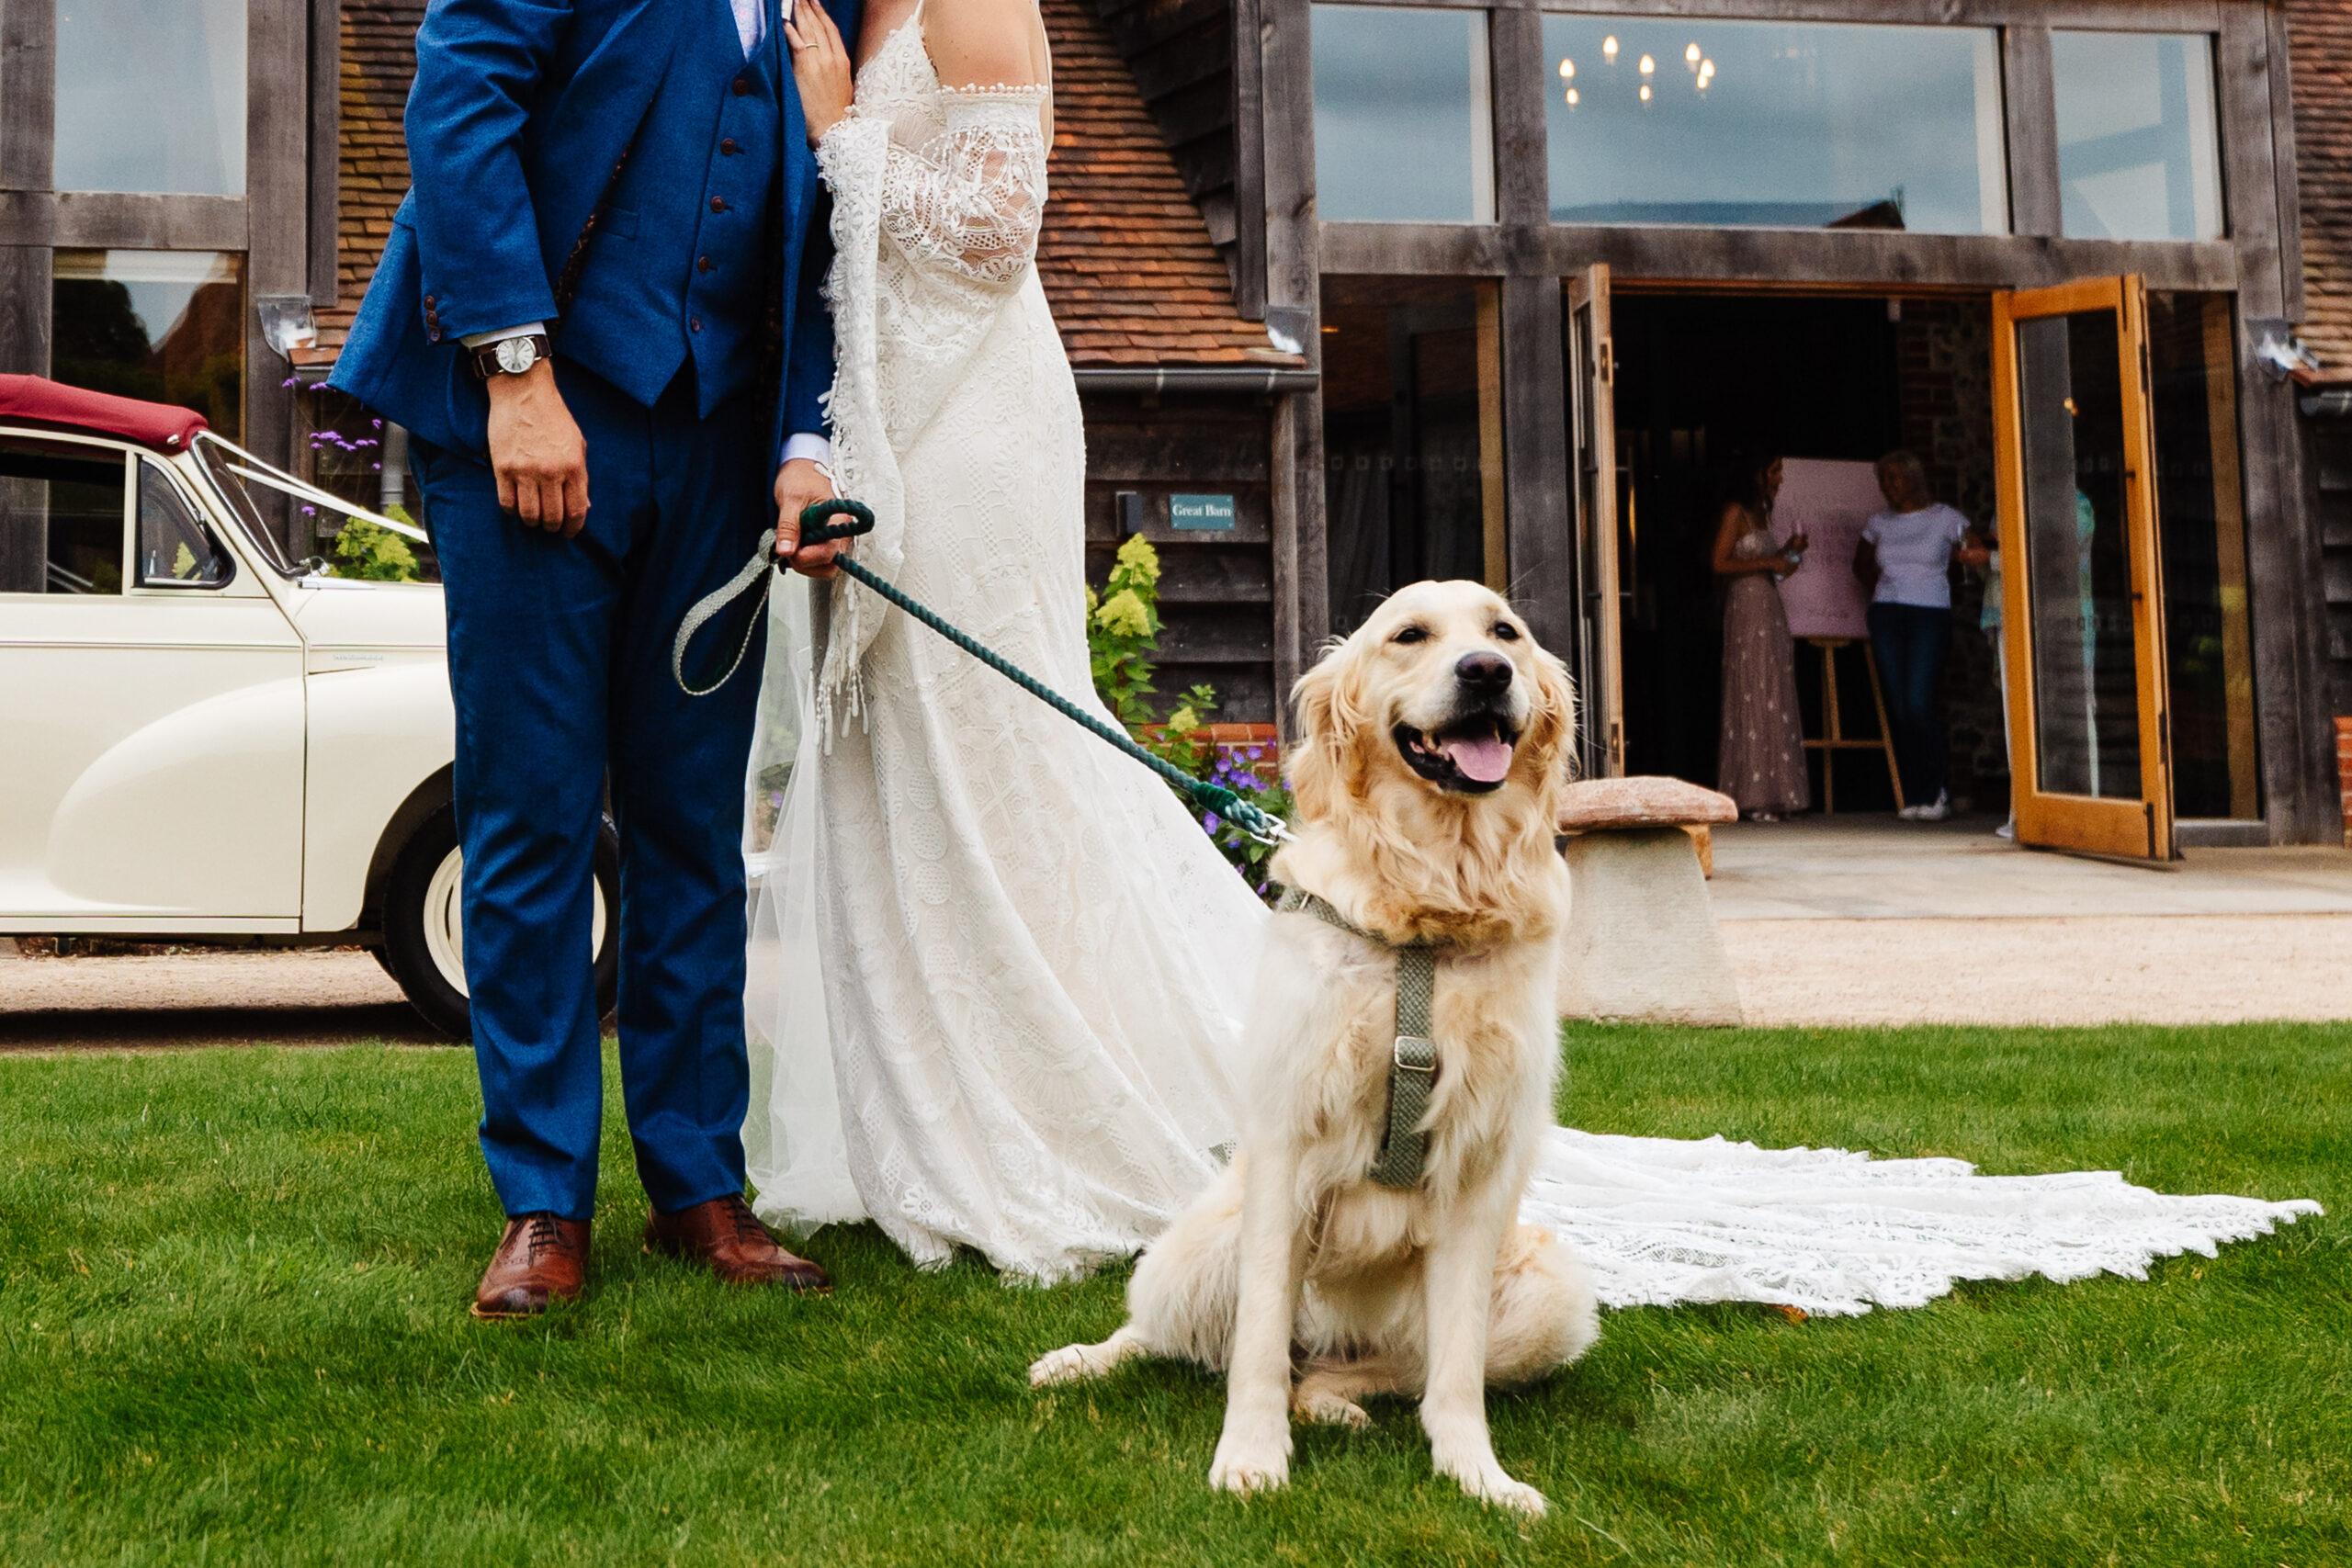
x=2060, y=970
x=2070, y=969
x=203, y=998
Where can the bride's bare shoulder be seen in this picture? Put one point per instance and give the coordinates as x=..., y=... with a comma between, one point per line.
x=985, y=43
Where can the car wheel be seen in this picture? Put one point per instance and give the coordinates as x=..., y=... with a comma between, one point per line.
x=424, y=945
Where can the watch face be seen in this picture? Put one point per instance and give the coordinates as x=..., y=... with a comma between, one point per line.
x=517, y=355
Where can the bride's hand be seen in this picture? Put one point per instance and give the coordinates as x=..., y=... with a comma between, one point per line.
x=819, y=66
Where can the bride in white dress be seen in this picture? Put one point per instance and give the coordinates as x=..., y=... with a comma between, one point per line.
x=997, y=970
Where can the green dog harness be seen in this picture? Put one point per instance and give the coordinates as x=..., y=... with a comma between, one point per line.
x=1412, y=1063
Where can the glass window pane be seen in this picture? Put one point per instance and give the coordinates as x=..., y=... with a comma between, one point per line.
x=176, y=549
x=1404, y=128
x=1775, y=125
x=167, y=326
x=151, y=97
x=2078, y=562
x=61, y=517
x=2137, y=155
x=2200, y=508
x=1412, y=424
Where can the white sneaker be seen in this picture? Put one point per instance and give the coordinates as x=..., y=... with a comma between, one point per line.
x=1911, y=813
x=1934, y=813
x=2007, y=831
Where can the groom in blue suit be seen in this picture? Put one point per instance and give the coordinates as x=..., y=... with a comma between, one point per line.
x=598, y=317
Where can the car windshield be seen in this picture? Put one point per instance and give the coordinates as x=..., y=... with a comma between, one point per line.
x=264, y=498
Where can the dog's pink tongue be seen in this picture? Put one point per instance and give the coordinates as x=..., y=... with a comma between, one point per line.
x=1482, y=761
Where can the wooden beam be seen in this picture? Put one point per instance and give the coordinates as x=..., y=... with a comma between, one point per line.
x=1535, y=461
x=1515, y=69
x=1249, y=166
x=323, y=214
x=2149, y=15
x=1288, y=82
x=2249, y=179
x=126, y=220
x=27, y=94
x=28, y=213
x=2283, y=161
x=24, y=309
x=2030, y=107
x=277, y=180
x=1871, y=259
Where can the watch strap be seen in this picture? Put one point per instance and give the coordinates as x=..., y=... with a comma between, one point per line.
x=486, y=359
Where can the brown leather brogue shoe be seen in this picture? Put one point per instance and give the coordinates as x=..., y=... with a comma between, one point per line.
x=726, y=1237
x=539, y=1259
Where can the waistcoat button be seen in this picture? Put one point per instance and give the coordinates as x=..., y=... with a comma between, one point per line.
x=694, y=323
x=742, y=86
x=702, y=263
x=719, y=204
x=727, y=148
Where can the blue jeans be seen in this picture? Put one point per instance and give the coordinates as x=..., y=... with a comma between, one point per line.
x=559, y=668
x=1911, y=641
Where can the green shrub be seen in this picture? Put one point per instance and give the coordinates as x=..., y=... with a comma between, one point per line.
x=370, y=552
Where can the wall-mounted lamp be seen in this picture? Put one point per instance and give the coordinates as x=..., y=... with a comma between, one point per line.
x=286, y=323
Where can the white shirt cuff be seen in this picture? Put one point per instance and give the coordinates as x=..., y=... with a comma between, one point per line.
x=475, y=340
x=816, y=448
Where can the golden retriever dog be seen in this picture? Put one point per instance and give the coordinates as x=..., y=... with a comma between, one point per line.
x=1431, y=747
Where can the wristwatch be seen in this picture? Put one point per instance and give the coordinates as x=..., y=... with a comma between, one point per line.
x=510, y=356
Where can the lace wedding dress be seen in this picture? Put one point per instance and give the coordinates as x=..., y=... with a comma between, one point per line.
x=1033, y=959
x=996, y=968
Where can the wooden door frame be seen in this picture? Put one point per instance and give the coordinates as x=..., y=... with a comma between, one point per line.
x=2136, y=829
x=1591, y=427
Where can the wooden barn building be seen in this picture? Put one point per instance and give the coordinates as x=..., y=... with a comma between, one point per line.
x=1362, y=292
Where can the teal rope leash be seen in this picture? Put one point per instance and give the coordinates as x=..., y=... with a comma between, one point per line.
x=817, y=528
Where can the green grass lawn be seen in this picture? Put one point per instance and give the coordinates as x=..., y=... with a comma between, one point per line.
x=232, y=1330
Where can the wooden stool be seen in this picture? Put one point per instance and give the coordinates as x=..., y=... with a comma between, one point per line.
x=1642, y=944
x=1834, y=739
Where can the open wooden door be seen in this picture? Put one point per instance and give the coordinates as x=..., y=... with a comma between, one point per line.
x=2083, y=604
x=1592, y=457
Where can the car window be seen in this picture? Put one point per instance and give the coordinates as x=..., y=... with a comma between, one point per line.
x=60, y=516
x=176, y=549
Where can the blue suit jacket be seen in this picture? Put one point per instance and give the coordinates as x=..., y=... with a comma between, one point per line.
x=520, y=113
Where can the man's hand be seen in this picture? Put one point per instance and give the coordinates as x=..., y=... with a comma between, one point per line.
x=536, y=451
x=799, y=484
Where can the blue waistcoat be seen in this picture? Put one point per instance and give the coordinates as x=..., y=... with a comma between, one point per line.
x=520, y=113
x=675, y=267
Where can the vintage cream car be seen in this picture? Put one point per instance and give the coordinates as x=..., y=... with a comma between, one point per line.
x=201, y=740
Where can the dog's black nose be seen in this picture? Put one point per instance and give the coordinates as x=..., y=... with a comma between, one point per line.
x=1483, y=672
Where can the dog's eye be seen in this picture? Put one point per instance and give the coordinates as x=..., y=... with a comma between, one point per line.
x=1412, y=634
x=1506, y=632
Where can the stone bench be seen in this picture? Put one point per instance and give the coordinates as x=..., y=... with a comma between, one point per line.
x=1642, y=944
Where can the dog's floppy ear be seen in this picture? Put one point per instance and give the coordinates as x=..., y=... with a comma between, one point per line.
x=1317, y=764
x=1553, y=734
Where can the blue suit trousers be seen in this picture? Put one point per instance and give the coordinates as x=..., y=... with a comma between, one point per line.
x=560, y=666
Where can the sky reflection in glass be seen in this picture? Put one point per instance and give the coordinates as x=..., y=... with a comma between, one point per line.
x=2137, y=155
x=1775, y=125
x=1403, y=117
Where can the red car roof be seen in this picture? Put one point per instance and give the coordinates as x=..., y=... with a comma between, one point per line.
x=35, y=400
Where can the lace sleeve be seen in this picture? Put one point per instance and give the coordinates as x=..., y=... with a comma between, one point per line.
x=968, y=201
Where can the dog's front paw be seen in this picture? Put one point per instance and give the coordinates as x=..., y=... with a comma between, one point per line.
x=1251, y=1463
x=1071, y=1363
x=1488, y=1484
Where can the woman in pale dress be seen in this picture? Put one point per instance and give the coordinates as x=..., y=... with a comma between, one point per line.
x=997, y=972
x=1761, y=764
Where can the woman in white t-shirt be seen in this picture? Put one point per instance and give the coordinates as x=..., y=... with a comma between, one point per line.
x=1905, y=557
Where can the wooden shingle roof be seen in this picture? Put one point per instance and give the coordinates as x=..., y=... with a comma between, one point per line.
x=1125, y=257
x=2320, y=49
